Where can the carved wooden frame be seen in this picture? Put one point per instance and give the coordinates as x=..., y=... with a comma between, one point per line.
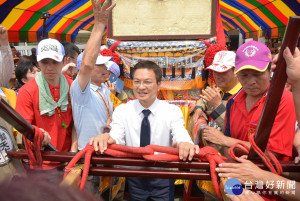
x=125, y=37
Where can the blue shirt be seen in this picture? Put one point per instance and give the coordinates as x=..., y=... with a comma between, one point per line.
x=89, y=110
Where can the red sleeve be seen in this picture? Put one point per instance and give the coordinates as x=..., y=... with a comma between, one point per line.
x=69, y=79
x=283, y=131
x=25, y=104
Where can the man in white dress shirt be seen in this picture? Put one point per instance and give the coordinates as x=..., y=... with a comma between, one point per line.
x=166, y=129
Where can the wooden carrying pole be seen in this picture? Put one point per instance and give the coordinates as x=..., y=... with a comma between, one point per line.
x=279, y=79
x=12, y=117
x=108, y=161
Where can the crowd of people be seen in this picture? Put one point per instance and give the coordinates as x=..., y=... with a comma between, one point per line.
x=66, y=94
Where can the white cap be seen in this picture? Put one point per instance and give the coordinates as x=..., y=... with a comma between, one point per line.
x=50, y=49
x=113, y=67
x=102, y=59
x=103, y=47
x=223, y=61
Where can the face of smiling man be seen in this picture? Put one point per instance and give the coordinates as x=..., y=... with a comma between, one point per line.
x=145, y=86
x=225, y=80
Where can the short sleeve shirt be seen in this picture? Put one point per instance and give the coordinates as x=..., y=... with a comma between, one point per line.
x=28, y=107
x=238, y=120
x=90, y=110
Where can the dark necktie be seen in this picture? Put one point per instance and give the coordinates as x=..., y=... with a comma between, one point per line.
x=145, y=129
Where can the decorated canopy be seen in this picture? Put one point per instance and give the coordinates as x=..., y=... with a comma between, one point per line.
x=23, y=17
x=264, y=17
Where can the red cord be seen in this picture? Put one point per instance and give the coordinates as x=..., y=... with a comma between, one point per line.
x=239, y=145
x=171, y=154
x=257, y=150
x=87, y=162
x=35, y=160
x=264, y=157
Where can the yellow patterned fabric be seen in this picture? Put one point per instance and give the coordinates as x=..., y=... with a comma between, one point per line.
x=203, y=185
x=207, y=186
x=104, y=183
x=114, y=183
x=115, y=188
x=115, y=100
x=11, y=96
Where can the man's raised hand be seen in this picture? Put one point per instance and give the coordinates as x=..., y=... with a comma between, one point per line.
x=101, y=13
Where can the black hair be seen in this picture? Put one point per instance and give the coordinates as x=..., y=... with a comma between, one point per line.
x=22, y=69
x=149, y=65
x=70, y=49
x=33, y=50
x=28, y=58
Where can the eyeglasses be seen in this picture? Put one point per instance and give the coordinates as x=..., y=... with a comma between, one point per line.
x=146, y=83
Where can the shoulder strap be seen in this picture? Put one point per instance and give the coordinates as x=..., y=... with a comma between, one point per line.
x=228, y=109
